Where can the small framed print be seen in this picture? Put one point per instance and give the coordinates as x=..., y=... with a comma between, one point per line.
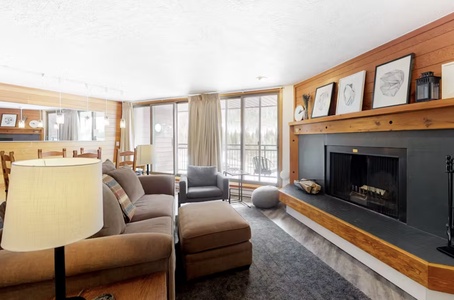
x=9, y=120
x=350, y=93
x=392, y=82
x=322, y=100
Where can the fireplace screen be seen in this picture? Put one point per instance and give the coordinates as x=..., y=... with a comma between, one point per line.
x=370, y=177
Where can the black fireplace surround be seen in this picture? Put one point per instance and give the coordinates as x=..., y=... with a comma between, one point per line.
x=420, y=159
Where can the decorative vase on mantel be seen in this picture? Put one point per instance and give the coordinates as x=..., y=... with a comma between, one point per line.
x=306, y=98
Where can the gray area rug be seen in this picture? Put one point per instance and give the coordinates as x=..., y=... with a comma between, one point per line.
x=282, y=269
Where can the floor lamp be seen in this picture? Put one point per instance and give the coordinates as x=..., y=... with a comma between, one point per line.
x=48, y=208
x=145, y=156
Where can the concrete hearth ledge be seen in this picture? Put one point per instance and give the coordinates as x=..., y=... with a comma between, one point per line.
x=402, y=254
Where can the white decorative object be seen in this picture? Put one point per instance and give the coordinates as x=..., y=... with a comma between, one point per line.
x=447, y=80
x=299, y=112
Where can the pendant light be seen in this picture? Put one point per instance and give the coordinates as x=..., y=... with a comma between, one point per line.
x=21, y=121
x=106, y=117
x=122, y=121
x=60, y=119
x=40, y=122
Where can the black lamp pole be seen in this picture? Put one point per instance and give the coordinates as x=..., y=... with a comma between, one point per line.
x=60, y=277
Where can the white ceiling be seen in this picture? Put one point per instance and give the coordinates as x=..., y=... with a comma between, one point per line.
x=144, y=49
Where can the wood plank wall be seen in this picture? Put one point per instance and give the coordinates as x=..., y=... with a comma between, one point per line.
x=431, y=44
x=29, y=150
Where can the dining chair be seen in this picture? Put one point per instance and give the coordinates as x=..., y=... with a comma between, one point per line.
x=42, y=154
x=126, y=158
x=90, y=154
x=7, y=160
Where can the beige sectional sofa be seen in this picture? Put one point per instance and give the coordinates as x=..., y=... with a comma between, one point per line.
x=119, y=251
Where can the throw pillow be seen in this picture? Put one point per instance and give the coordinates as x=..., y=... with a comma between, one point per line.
x=126, y=205
x=107, y=166
x=114, y=222
x=129, y=182
x=202, y=176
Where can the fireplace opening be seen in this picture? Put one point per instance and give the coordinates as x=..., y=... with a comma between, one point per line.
x=368, y=176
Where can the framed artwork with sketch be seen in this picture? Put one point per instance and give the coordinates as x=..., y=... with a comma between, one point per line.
x=8, y=120
x=322, y=100
x=392, y=82
x=350, y=93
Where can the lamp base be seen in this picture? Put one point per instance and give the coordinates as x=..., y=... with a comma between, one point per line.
x=448, y=250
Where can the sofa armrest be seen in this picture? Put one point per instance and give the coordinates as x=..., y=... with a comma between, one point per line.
x=158, y=184
x=90, y=255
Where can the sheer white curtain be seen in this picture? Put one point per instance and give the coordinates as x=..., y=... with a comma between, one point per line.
x=127, y=133
x=204, y=136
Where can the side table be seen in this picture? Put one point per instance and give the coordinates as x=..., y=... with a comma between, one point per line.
x=239, y=174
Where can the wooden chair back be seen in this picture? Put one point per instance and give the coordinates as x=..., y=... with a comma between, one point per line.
x=126, y=158
x=96, y=154
x=42, y=154
x=7, y=160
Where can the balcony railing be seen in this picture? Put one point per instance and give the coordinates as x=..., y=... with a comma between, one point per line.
x=232, y=161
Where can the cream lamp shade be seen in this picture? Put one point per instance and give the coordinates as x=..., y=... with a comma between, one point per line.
x=52, y=203
x=144, y=155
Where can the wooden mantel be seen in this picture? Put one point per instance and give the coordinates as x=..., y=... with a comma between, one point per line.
x=435, y=114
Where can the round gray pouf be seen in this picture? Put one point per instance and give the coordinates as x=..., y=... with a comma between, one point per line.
x=265, y=196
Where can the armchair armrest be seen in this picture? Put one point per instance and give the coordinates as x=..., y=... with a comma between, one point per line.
x=183, y=189
x=223, y=184
x=158, y=184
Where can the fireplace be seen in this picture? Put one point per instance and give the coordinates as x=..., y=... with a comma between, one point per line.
x=373, y=177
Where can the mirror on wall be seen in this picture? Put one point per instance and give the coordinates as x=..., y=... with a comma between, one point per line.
x=43, y=123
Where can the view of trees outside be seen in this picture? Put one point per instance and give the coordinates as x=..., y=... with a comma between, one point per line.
x=249, y=133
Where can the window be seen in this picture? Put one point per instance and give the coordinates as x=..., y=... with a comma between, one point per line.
x=156, y=124
x=250, y=133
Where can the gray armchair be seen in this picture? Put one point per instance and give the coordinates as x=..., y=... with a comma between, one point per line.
x=203, y=183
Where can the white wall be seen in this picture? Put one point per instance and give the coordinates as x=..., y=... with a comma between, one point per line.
x=287, y=116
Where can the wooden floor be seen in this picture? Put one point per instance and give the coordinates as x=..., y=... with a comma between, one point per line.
x=148, y=287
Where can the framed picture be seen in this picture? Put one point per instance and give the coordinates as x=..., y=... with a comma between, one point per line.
x=350, y=93
x=9, y=120
x=322, y=100
x=392, y=82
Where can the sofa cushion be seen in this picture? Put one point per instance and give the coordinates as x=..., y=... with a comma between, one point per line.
x=107, y=166
x=201, y=176
x=114, y=222
x=152, y=206
x=129, y=182
x=126, y=205
x=154, y=225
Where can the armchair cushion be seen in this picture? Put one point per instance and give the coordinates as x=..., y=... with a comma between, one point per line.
x=201, y=176
x=204, y=192
x=126, y=205
x=129, y=181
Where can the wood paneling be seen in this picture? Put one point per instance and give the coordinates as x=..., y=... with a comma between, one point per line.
x=29, y=150
x=432, y=45
x=433, y=276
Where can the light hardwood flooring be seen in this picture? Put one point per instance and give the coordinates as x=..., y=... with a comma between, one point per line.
x=368, y=281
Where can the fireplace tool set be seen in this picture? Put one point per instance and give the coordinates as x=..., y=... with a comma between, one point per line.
x=449, y=249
